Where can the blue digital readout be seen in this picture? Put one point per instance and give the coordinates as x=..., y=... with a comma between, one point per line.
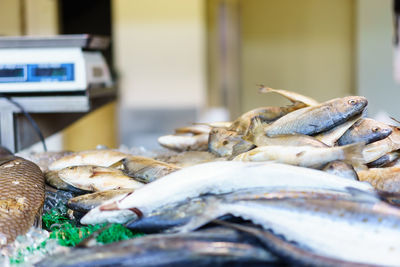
x=37, y=73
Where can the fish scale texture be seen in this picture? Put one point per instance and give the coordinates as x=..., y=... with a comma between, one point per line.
x=21, y=197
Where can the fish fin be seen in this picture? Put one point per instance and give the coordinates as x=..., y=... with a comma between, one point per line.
x=241, y=147
x=353, y=154
x=264, y=89
x=211, y=212
x=211, y=125
x=256, y=128
x=118, y=164
x=394, y=119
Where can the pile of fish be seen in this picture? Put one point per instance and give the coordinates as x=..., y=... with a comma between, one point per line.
x=306, y=184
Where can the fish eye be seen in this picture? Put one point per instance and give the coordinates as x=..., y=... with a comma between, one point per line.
x=375, y=129
x=225, y=142
x=352, y=101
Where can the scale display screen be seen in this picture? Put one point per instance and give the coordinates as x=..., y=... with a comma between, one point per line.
x=37, y=73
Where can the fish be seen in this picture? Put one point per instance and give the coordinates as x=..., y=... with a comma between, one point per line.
x=365, y=232
x=190, y=158
x=257, y=136
x=95, y=178
x=194, y=129
x=52, y=179
x=266, y=114
x=215, y=124
x=292, y=96
x=100, y=157
x=87, y=202
x=145, y=169
x=216, y=178
x=222, y=142
x=305, y=156
x=384, y=179
x=171, y=216
x=365, y=130
x=384, y=160
x=215, y=246
x=342, y=169
x=176, y=142
x=22, y=192
x=379, y=148
x=289, y=252
x=315, y=119
x=331, y=136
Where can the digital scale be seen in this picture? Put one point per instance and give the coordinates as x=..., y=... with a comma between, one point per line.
x=56, y=79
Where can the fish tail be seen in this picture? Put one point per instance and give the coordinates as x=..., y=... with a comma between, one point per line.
x=256, y=128
x=117, y=164
x=264, y=89
x=353, y=154
x=213, y=211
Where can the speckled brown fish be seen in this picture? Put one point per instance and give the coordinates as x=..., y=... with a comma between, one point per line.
x=21, y=197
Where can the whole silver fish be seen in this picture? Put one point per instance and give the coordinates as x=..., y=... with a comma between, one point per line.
x=316, y=119
x=305, y=156
x=342, y=169
x=364, y=232
x=215, y=178
x=174, y=215
x=365, y=130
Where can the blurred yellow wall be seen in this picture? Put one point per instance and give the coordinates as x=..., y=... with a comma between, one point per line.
x=10, y=23
x=159, y=49
x=306, y=46
x=97, y=128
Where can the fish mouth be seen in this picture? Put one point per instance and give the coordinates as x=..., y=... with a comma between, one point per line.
x=109, y=207
x=114, y=206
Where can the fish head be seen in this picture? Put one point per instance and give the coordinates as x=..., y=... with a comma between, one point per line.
x=221, y=141
x=376, y=130
x=351, y=105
